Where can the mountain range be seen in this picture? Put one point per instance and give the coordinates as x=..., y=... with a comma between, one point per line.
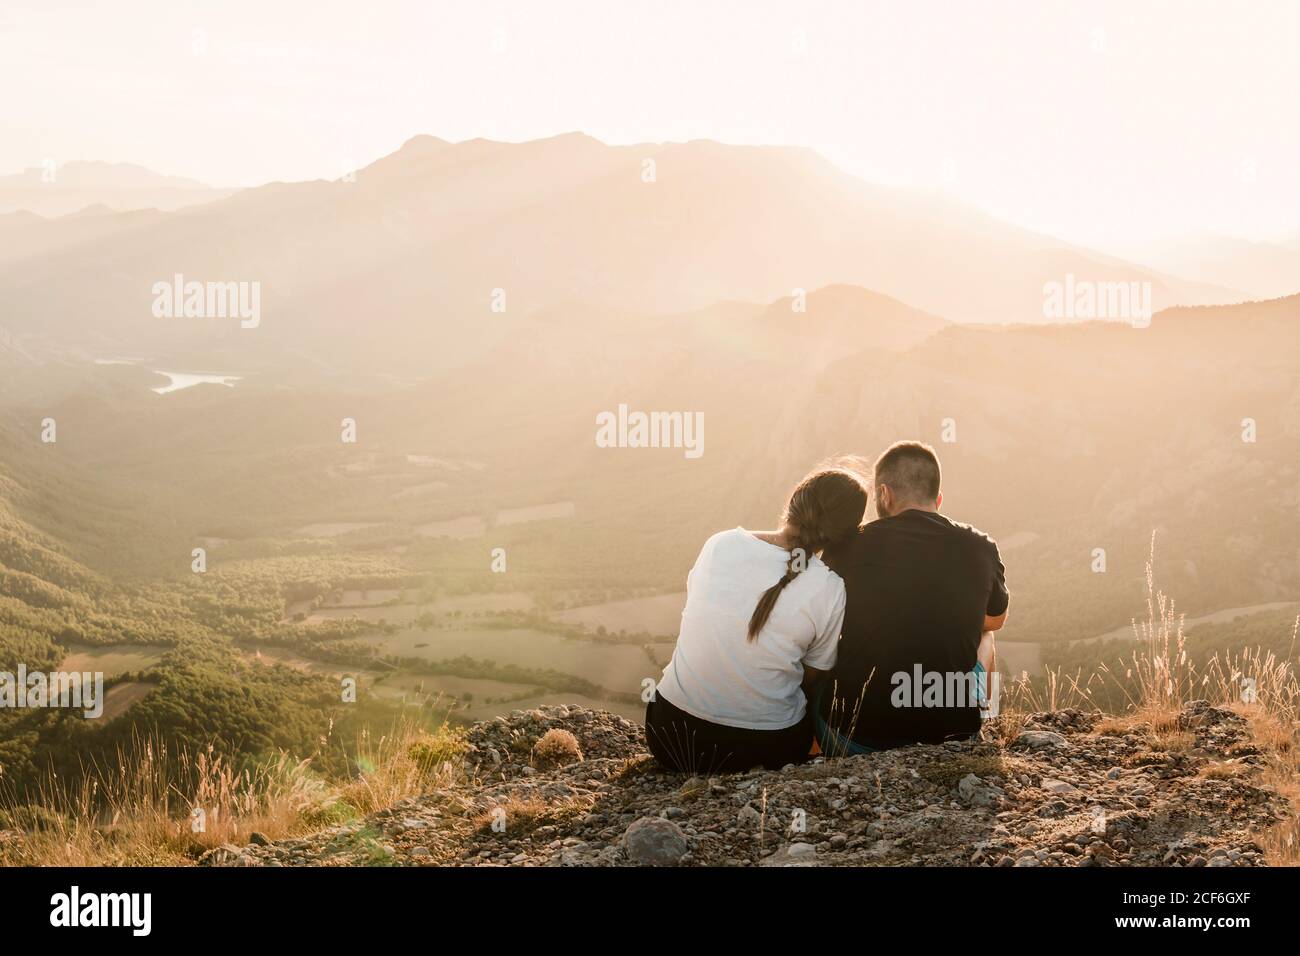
x=94, y=188
x=745, y=284
x=432, y=255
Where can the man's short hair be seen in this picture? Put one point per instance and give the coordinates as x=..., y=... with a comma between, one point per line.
x=911, y=470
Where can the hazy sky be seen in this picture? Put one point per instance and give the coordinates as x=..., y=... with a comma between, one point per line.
x=1087, y=120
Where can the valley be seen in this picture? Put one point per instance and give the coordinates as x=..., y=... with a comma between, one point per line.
x=454, y=535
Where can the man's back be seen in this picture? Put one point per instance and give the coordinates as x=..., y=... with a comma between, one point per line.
x=918, y=589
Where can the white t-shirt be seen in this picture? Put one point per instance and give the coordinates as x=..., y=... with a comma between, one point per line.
x=718, y=675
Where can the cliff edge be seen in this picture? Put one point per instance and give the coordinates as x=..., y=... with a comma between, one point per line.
x=567, y=786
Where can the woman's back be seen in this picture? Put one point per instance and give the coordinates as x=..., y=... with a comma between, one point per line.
x=715, y=672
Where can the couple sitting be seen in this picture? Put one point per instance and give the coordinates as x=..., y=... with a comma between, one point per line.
x=882, y=641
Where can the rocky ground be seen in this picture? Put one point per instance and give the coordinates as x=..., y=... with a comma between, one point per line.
x=1070, y=789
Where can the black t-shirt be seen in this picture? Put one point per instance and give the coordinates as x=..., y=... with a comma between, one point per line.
x=918, y=587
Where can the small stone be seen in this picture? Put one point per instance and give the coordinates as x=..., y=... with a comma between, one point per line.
x=655, y=841
x=971, y=789
x=1040, y=739
x=1058, y=786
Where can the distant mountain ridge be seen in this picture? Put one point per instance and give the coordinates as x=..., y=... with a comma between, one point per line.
x=69, y=188
x=409, y=263
x=1261, y=269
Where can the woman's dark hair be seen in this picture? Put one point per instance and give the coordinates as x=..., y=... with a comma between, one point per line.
x=824, y=508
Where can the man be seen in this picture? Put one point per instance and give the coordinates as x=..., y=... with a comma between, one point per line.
x=921, y=591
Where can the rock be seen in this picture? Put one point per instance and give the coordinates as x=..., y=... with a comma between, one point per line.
x=1039, y=739
x=226, y=854
x=1065, y=797
x=655, y=841
x=1058, y=786
x=258, y=839
x=972, y=790
x=793, y=855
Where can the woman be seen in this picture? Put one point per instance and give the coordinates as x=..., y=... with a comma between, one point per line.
x=761, y=622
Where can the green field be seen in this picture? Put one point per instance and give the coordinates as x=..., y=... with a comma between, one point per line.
x=660, y=615
x=112, y=660
x=617, y=667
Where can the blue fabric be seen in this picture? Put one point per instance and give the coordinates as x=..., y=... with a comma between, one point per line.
x=981, y=684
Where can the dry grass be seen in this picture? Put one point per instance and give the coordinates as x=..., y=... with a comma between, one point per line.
x=1178, y=741
x=638, y=766
x=133, y=814
x=1223, y=770
x=1160, y=678
x=1282, y=843
x=525, y=814
x=403, y=763
x=556, y=748
x=1020, y=698
x=136, y=813
x=1117, y=725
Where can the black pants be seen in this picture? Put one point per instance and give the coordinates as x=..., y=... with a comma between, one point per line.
x=689, y=744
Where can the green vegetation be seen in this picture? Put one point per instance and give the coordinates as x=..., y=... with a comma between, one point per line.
x=97, y=532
